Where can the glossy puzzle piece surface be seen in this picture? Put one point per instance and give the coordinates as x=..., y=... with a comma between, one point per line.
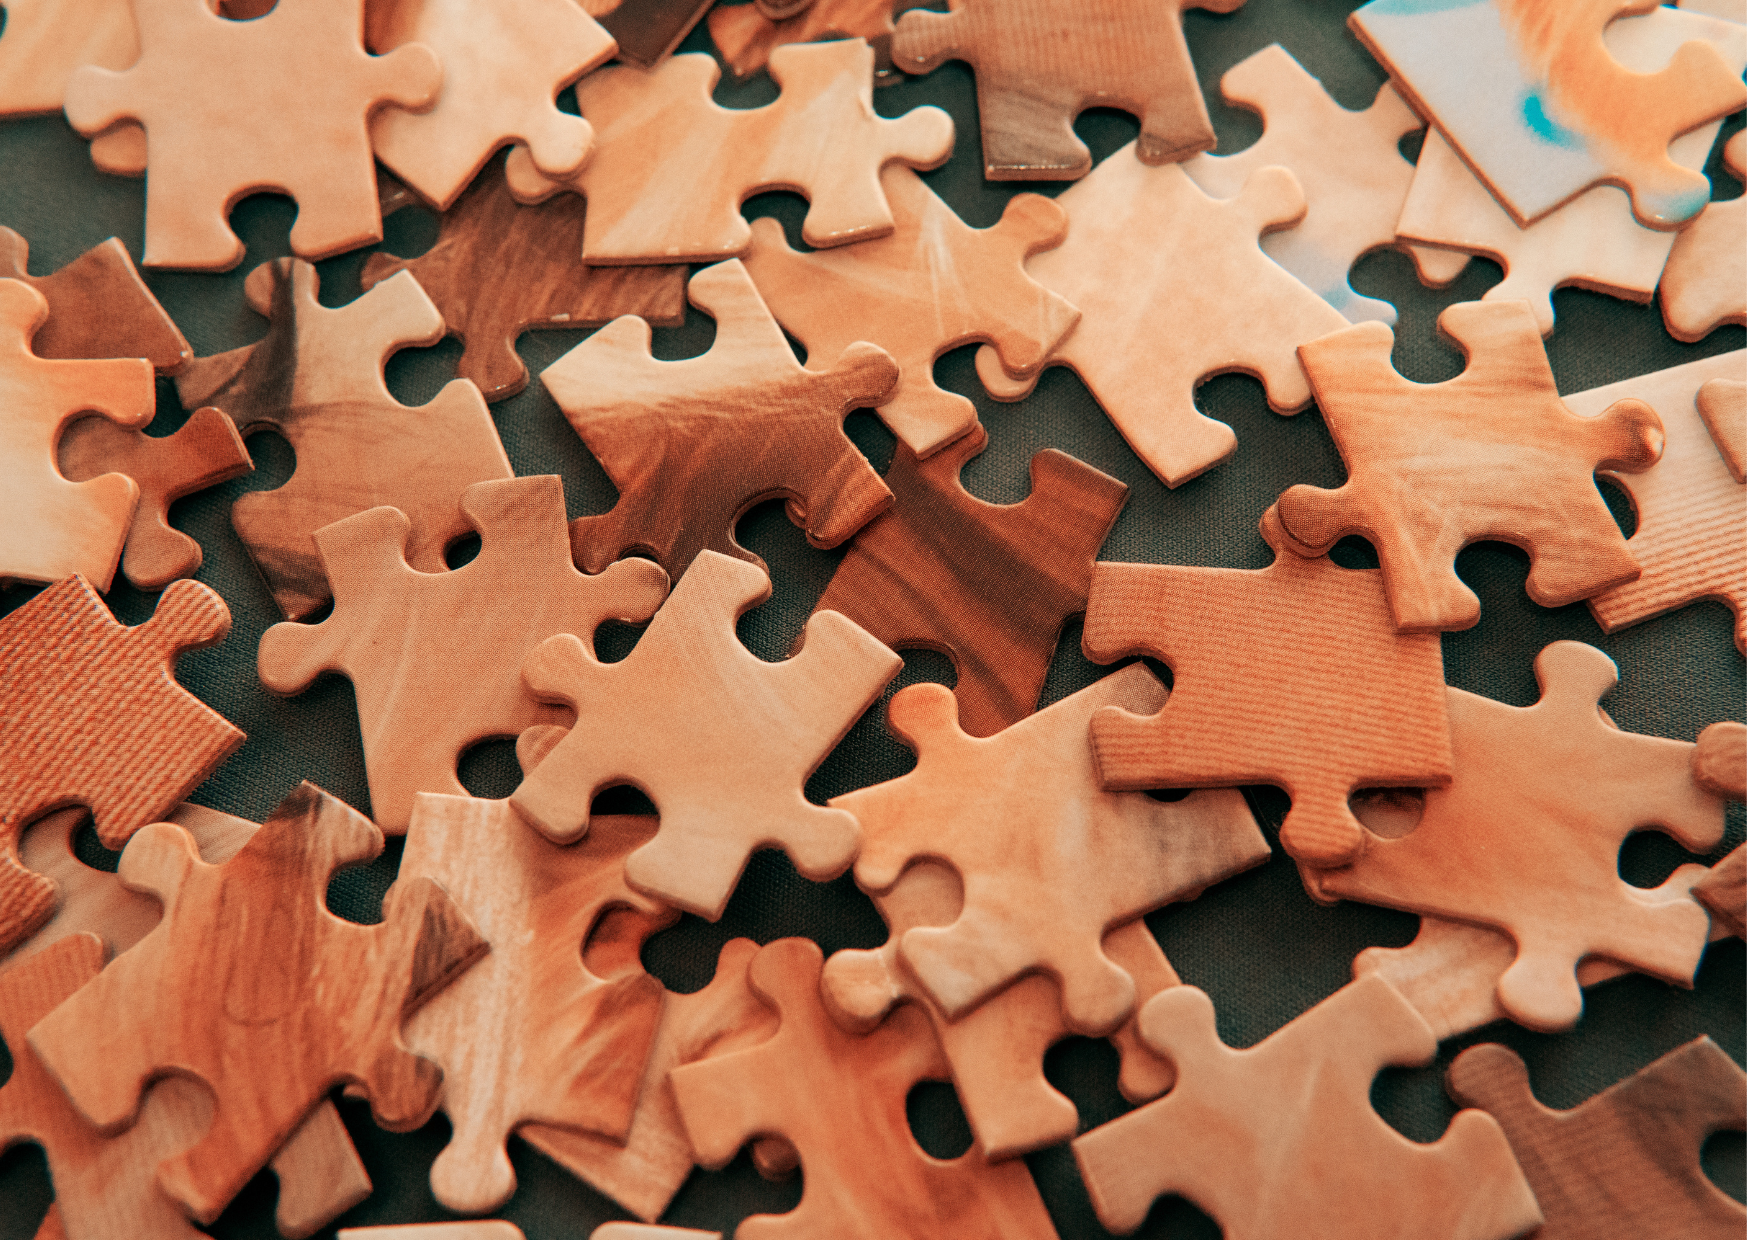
x=1527, y=839
x=1558, y=113
x=931, y=286
x=46, y=40
x=399, y=635
x=199, y=72
x=1290, y=675
x=991, y=585
x=1490, y=454
x=1623, y=1165
x=672, y=719
x=746, y=36
x=671, y=167
x=224, y=989
x=839, y=1098
x=1327, y=1165
x=1040, y=63
x=1172, y=290
x=499, y=269
x=98, y=305
x=96, y=707
x=1690, y=506
x=692, y=445
x=317, y=379
x=1705, y=280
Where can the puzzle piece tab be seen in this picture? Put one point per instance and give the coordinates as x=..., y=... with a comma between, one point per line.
x=1706, y=277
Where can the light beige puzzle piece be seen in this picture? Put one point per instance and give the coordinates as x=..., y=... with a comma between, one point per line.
x=46, y=40
x=1705, y=283
x=1723, y=404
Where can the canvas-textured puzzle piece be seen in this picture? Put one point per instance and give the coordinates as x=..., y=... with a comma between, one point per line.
x=529, y=1033
x=50, y=526
x=225, y=989
x=399, y=634
x=46, y=40
x=989, y=584
x=839, y=1098
x=499, y=269
x=97, y=708
x=1290, y=675
x=1347, y=163
x=746, y=36
x=931, y=286
x=1623, y=1165
x=1328, y=1165
x=1049, y=860
x=1559, y=112
x=691, y=445
x=1040, y=63
x=1490, y=454
x=1723, y=406
x=98, y=305
x=682, y=705
x=503, y=63
x=317, y=379
x=1174, y=289
x=671, y=167
x=647, y=30
x=1527, y=839
x=1704, y=281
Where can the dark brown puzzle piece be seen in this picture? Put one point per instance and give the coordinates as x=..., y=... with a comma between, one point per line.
x=98, y=307
x=648, y=30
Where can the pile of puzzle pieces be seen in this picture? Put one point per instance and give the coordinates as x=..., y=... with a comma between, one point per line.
x=190, y=1020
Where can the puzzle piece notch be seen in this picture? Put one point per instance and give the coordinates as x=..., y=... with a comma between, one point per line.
x=1703, y=282
x=1490, y=454
x=98, y=305
x=746, y=36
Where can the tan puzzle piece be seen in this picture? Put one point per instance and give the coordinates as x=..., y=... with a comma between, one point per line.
x=1706, y=281
x=840, y=1100
x=1173, y=289
x=1527, y=839
x=1720, y=765
x=1490, y=454
x=46, y=40
x=399, y=634
x=746, y=37
x=692, y=445
x=671, y=167
x=1723, y=405
x=497, y=1229
x=224, y=989
x=1225, y=1139
x=317, y=379
x=932, y=285
x=98, y=305
x=672, y=719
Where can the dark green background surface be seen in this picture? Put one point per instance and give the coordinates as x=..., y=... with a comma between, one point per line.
x=1257, y=944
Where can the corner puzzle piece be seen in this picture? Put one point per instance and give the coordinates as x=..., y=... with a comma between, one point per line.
x=529, y=1033
x=96, y=707
x=647, y=30
x=671, y=167
x=499, y=269
x=1326, y=1165
x=1690, y=506
x=933, y=285
x=1347, y=163
x=1527, y=839
x=1050, y=862
x=50, y=526
x=1040, y=63
x=46, y=40
x=503, y=63
x=1704, y=281
x=991, y=585
x=199, y=72
x=1623, y=1165
x=399, y=635
x=673, y=719
x=691, y=445
x=1172, y=290
x=317, y=379
x=839, y=1098
x=1490, y=454
x=224, y=989
x=746, y=36
x=98, y=305
x=1290, y=675
x=1723, y=406
x=1558, y=112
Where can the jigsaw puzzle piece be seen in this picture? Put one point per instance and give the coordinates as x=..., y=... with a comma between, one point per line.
x=1723, y=406
x=46, y=40
x=647, y=30
x=1704, y=281
x=98, y=305
x=746, y=34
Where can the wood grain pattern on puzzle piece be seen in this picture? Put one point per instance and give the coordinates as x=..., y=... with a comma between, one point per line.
x=1173, y=288
x=692, y=445
x=498, y=269
x=222, y=990
x=1527, y=839
x=99, y=307
x=746, y=37
x=317, y=379
x=1493, y=454
x=1623, y=1165
x=1723, y=406
x=1703, y=284
x=990, y=585
x=647, y=30
x=1291, y=675
x=1040, y=63
x=840, y=1100
x=1331, y=1165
